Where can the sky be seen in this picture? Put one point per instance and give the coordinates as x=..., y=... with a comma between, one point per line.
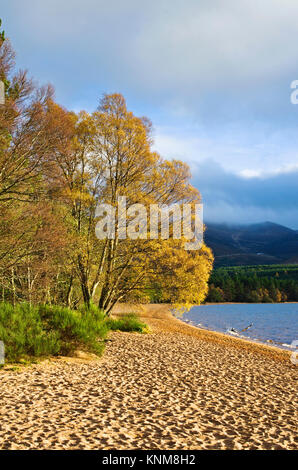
x=213, y=76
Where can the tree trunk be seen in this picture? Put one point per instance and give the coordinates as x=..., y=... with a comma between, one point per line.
x=13, y=287
x=84, y=283
x=68, y=294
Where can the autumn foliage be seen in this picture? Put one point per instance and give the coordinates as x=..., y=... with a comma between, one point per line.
x=55, y=167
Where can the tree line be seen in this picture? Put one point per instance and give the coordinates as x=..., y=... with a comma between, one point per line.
x=55, y=167
x=259, y=284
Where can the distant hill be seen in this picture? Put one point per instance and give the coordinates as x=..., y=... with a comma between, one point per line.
x=265, y=243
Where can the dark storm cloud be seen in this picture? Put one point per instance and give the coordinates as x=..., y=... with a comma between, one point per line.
x=231, y=198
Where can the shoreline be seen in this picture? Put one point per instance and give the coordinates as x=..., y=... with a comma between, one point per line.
x=270, y=344
x=160, y=317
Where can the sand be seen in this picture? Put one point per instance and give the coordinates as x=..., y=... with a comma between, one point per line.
x=177, y=388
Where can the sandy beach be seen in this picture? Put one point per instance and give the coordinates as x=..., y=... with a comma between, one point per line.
x=177, y=388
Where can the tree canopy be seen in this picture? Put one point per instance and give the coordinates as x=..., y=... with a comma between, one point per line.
x=56, y=166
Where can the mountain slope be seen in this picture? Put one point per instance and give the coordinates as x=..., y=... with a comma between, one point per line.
x=265, y=243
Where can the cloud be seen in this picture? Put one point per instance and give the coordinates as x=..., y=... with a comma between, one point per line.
x=247, y=152
x=213, y=76
x=231, y=198
x=225, y=57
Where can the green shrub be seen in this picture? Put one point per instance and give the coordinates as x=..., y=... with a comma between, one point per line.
x=76, y=327
x=23, y=334
x=127, y=322
x=49, y=330
x=44, y=330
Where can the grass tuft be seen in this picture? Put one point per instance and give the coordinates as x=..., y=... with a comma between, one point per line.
x=127, y=322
